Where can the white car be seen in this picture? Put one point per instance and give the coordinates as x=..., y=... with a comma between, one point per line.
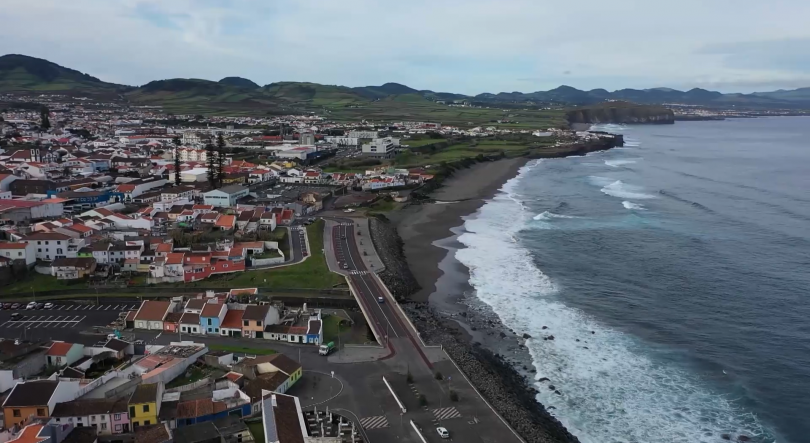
x=443, y=432
x=32, y=305
x=48, y=305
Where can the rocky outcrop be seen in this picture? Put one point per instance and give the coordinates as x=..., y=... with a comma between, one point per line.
x=503, y=387
x=621, y=112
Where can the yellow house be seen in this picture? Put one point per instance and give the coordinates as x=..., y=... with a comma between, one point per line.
x=144, y=404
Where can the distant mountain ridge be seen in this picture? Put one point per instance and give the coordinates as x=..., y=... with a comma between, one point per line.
x=20, y=73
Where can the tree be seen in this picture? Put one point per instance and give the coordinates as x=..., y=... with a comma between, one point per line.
x=211, y=161
x=220, y=158
x=45, y=121
x=176, y=161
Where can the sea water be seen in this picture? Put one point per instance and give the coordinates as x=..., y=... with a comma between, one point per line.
x=673, y=276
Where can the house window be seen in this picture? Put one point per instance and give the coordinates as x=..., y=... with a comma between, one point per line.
x=146, y=422
x=104, y=426
x=117, y=428
x=209, y=322
x=132, y=411
x=247, y=323
x=117, y=416
x=40, y=412
x=259, y=323
x=92, y=418
x=39, y=242
x=39, y=249
x=145, y=408
x=16, y=412
x=216, y=329
x=57, y=420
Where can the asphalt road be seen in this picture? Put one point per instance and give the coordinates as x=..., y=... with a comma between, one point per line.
x=374, y=299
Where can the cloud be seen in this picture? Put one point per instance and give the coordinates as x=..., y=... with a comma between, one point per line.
x=466, y=46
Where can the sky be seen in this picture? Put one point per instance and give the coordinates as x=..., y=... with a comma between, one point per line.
x=461, y=46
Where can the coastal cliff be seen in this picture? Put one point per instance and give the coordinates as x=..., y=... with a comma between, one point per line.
x=621, y=112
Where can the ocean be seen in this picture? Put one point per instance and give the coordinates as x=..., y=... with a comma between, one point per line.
x=673, y=276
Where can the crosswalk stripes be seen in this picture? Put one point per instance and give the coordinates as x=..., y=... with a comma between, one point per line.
x=376, y=422
x=358, y=272
x=446, y=413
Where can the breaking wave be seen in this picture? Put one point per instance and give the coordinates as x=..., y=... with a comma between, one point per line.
x=611, y=390
x=620, y=162
x=620, y=189
x=633, y=206
x=550, y=215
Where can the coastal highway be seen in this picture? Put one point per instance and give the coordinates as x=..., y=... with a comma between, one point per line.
x=385, y=320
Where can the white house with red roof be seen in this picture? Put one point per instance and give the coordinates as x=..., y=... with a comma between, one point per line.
x=24, y=252
x=63, y=354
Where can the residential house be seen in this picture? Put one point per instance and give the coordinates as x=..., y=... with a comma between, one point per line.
x=212, y=316
x=172, y=321
x=36, y=399
x=151, y=314
x=194, y=306
x=106, y=416
x=119, y=348
x=63, y=354
x=278, y=368
x=24, y=253
x=144, y=404
x=190, y=323
x=256, y=317
x=232, y=323
x=49, y=245
x=73, y=268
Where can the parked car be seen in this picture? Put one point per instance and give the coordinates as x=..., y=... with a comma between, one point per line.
x=48, y=305
x=7, y=305
x=32, y=305
x=443, y=432
x=15, y=316
x=40, y=305
x=15, y=306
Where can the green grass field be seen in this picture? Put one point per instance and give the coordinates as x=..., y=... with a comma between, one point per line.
x=332, y=328
x=464, y=150
x=34, y=283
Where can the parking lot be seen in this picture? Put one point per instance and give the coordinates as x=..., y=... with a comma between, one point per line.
x=64, y=315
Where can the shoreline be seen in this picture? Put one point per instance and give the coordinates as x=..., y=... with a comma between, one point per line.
x=447, y=312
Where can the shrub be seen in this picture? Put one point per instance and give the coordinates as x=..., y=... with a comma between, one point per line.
x=422, y=400
x=409, y=378
x=439, y=376
x=453, y=395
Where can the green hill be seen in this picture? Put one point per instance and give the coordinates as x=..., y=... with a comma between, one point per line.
x=22, y=73
x=239, y=82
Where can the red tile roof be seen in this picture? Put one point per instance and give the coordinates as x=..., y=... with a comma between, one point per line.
x=233, y=319
x=60, y=348
x=211, y=310
x=153, y=310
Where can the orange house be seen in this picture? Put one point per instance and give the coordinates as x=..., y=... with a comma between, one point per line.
x=29, y=399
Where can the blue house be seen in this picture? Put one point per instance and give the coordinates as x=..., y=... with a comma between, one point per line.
x=211, y=317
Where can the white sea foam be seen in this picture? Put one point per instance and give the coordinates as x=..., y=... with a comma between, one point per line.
x=550, y=216
x=633, y=206
x=621, y=162
x=600, y=181
x=612, y=391
x=622, y=190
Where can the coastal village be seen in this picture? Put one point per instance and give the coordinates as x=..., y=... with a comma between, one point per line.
x=135, y=252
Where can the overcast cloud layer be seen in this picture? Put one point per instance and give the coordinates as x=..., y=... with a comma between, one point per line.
x=464, y=46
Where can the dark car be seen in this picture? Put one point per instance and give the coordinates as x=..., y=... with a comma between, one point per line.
x=6, y=305
x=40, y=305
